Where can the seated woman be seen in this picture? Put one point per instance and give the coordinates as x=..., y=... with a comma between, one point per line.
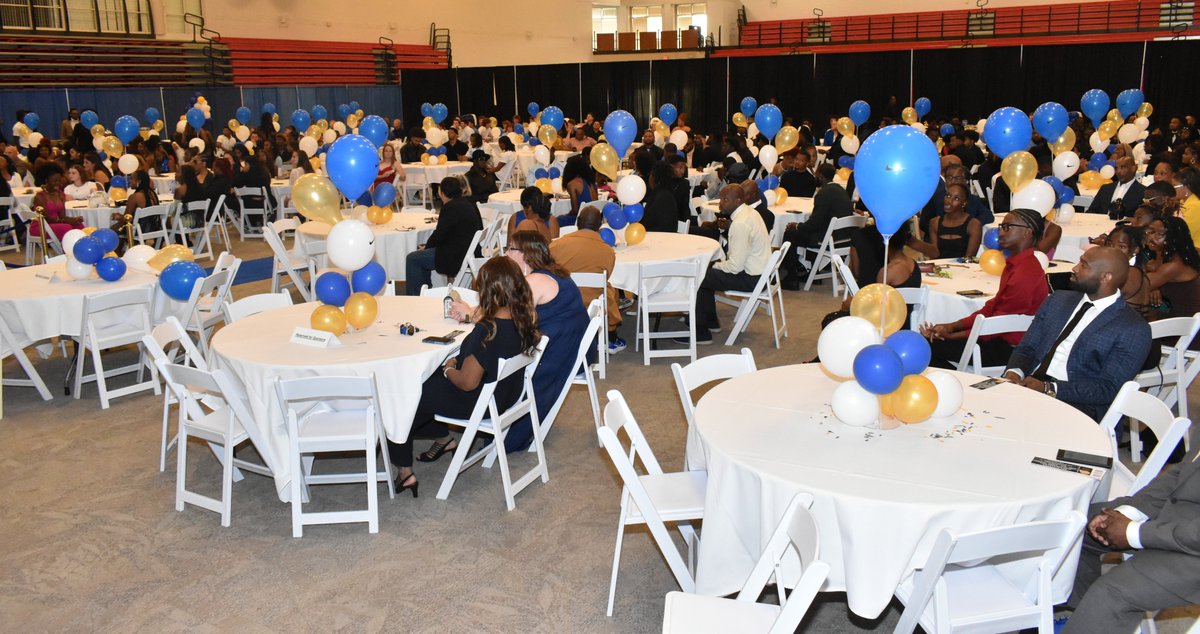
x=188, y=190
x=506, y=326
x=141, y=195
x=53, y=203
x=1129, y=239
x=78, y=187
x=303, y=166
x=389, y=166
x=534, y=215
x=579, y=182
x=661, y=208
x=1173, y=269
x=508, y=154
x=954, y=234
x=97, y=171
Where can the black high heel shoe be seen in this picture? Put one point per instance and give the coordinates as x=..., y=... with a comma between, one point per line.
x=401, y=487
x=437, y=450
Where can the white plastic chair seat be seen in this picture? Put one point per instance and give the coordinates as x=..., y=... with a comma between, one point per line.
x=665, y=301
x=677, y=496
x=691, y=613
x=212, y=426
x=333, y=428
x=977, y=595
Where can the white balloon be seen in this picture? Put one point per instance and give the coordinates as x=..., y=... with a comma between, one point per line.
x=515, y=138
x=753, y=150
x=276, y=124
x=359, y=212
x=679, y=138
x=768, y=156
x=228, y=143
x=69, y=240
x=249, y=145
x=242, y=133
x=752, y=133
x=97, y=142
x=541, y=154
x=949, y=392
x=979, y=126
x=78, y=270
x=1065, y=213
x=1038, y=196
x=1097, y=144
x=309, y=146
x=1066, y=165
x=1128, y=133
x=919, y=127
x=339, y=126
x=1042, y=259
x=329, y=136
x=351, y=245
x=850, y=144
x=556, y=186
x=181, y=126
x=631, y=189
x=197, y=143
x=841, y=341
x=128, y=164
x=1142, y=123
x=35, y=138
x=855, y=406
x=1107, y=171
x=771, y=197
x=137, y=256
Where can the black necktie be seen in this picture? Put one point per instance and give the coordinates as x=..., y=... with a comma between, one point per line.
x=1045, y=365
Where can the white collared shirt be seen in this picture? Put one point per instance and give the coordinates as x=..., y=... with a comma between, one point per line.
x=749, y=245
x=1058, y=365
x=1120, y=190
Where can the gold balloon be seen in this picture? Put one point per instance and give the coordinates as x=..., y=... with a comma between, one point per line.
x=361, y=310
x=97, y=130
x=1018, y=170
x=316, y=198
x=1107, y=130
x=661, y=129
x=359, y=113
x=547, y=135
x=781, y=195
x=1091, y=179
x=315, y=162
x=158, y=125
x=545, y=185
x=909, y=115
x=739, y=120
x=992, y=261
x=379, y=215
x=844, y=173
x=352, y=120
x=1115, y=115
x=113, y=147
x=201, y=99
x=87, y=231
x=425, y=158
x=1145, y=110
x=635, y=232
x=328, y=318
x=275, y=117
x=144, y=133
x=845, y=126
x=1064, y=143
x=427, y=123
x=915, y=399
x=168, y=255
x=233, y=124
x=442, y=158
x=787, y=138
x=886, y=406
x=871, y=301
x=118, y=193
x=322, y=125
x=605, y=160
x=313, y=131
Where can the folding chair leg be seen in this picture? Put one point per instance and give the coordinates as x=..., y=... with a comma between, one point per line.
x=612, y=584
x=460, y=455
x=226, y=483
x=372, y=488
x=297, y=493
x=80, y=364
x=591, y=386
x=180, y=470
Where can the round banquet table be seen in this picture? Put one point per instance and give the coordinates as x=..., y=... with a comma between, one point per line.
x=529, y=164
x=101, y=216
x=281, y=188
x=164, y=183
x=510, y=199
x=794, y=209
x=946, y=305
x=1078, y=233
x=435, y=173
x=880, y=497
x=257, y=350
x=661, y=247
x=393, y=241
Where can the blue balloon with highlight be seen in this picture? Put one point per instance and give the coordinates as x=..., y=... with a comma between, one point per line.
x=108, y=238
x=634, y=212
x=89, y=118
x=1129, y=101
x=878, y=369
x=110, y=269
x=923, y=106
x=912, y=348
x=243, y=115
x=127, y=128
x=769, y=120
x=370, y=279
x=352, y=163
x=319, y=112
x=608, y=236
x=178, y=279
x=269, y=108
x=440, y=111
x=668, y=113
x=991, y=238
x=620, y=128
x=195, y=118
x=860, y=111
x=615, y=216
x=333, y=289
x=88, y=250
x=152, y=115
x=748, y=106
x=1094, y=105
x=301, y=120
x=553, y=117
x=1050, y=120
x=384, y=194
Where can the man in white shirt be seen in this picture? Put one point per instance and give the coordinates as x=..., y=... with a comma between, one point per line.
x=747, y=252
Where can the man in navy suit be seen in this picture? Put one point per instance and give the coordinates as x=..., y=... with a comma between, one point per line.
x=1085, y=343
x=1120, y=198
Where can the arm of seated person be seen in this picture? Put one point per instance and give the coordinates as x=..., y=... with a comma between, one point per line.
x=468, y=377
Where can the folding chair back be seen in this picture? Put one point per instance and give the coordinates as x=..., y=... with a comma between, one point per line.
x=830, y=246
x=467, y=295
x=112, y=320
x=767, y=295
x=161, y=344
x=159, y=234
x=194, y=238
x=285, y=262
x=1177, y=367
x=982, y=327
x=467, y=271
x=582, y=369
x=598, y=281
x=917, y=299
x=717, y=367
x=843, y=271
x=255, y=304
x=1142, y=409
x=676, y=297
x=252, y=202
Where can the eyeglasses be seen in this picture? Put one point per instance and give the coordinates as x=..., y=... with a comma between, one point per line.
x=512, y=248
x=1005, y=226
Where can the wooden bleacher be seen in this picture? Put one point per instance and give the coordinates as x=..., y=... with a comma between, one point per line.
x=291, y=62
x=39, y=61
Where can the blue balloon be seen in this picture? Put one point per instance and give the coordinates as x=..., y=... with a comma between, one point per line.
x=772, y=181
x=108, y=239
x=748, y=106
x=301, y=120
x=352, y=164
x=912, y=348
x=32, y=120
x=608, y=236
x=370, y=279
x=89, y=118
x=1094, y=105
x=196, y=118
x=384, y=194
x=668, y=113
x=922, y=106
x=769, y=119
x=127, y=128
x=553, y=117
x=860, y=111
x=1007, y=130
x=555, y=172
x=1054, y=182
x=269, y=108
x=1097, y=161
x=343, y=110
x=878, y=369
x=243, y=115
x=532, y=140
x=365, y=199
x=333, y=289
x=846, y=161
x=615, y=216
x=178, y=279
x=375, y=129
x=110, y=269
x=319, y=112
x=439, y=112
x=541, y=173
x=119, y=180
x=991, y=238
x=634, y=212
x=1050, y=120
x=1129, y=101
x=896, y=170
x=1066, y=196
x=355, y=106
x=88, y=250
x=152, y=115
x=519, y=129
x=946, y=129
x=620, y=128
x=533, y=108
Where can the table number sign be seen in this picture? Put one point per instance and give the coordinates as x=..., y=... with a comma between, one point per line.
x=314, y=338
x=50, y=277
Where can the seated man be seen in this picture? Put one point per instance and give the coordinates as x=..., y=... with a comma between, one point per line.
x=1158, y=526
x=447, y=246
x=748, y=250
x=1084, y=344
x=412, y=150
x=831, y=202
x=753, y=198
x=584, y=251
x=1022, y=290
x=796, y=178
x=1120, y=198
x=967, y=151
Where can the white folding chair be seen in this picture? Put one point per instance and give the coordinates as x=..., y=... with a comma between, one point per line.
x=255, y=304
x=487, y=418
x=112, y=320
x=157, y=217
x=8, y=237
x=991, y=192
x=567, y=230
x=196, y=238
x=10, y=345
x=505, y=175
x=917, y=299
x=494, y=217
x=971, y=361
x=415, y=182
x=1177, y=368
x=766, y=294
x=467, y=295
x=162, y=344
x=216, y=223
x=334, y=414
x=677, y=281
x=203, y=311
x=583, y=371
x=467, y=271
x=716, y=367
x=33, y=244
x=947, y=592
x=652, y=499
x=847, y=277
x=285, y=261
x=686, y=613
x=1147, y=410
x=598, y=281
x=830, y=246
x=222, y=418
x=252, y=202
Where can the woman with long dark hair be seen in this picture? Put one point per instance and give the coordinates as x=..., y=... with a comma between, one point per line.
x=579, y=182
x=1174, y=268
x=189, y=190
x=96, y=170
x=534, y=215
x=661, y=210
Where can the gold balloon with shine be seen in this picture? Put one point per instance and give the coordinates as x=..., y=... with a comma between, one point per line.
x=870, y=303
x=1108, y=130
x=442, y=158
x=359, y=113
x=992, y=261
x=739, y=120
x=169, y=255
x=661, y=129
x=545, y=185
x=1145, y=110
x=1091, y=179
x=845, y=126
x=361, y=310
x=379, y=215
x=1064, y=143
x=547, y=135
x=844, y=173
x=909, y=115
x=781, y=195
x=316, y=198
x=605, y=160
x=1115, y=115
x=352, y=120
x=97, y=130
x=113, y=147
x=635, y=232
x=157, y=125
x=1018, y=170
x=329, y=319
x=915, y=400
x=322, y=125
x=313, y=131
x=787, y=138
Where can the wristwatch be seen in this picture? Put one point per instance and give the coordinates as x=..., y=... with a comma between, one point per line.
x=1051, y=389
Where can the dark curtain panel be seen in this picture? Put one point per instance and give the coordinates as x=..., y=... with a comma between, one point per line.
x=285, y=99
x=1064, y=73
x=1170, y=84
x=968, y=83
x=423, y=86
x=550, y=85
x=695, y=86
x=843, y=78
x=783, y=79
x=487, y=91
x=609, y=86
x=49, y=104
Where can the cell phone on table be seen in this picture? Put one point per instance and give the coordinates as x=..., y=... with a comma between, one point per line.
x=443, y=340
x=985, y=384
x=1089, y=459
x=972, y=293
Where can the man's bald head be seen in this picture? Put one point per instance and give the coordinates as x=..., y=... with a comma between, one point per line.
x=590, y=218
x=730, y=198
x=949, y=160
x=1101, y=272
x=749, y=191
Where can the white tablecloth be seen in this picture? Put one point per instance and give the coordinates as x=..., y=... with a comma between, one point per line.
x=794, y=209
x=101, y=217
x=880, y=496
x=661, y=247
x=945, y=304
x=511, y=200
x=164, y=183
x=257, y=351
x=1077, y=234
x=529, y=164
x=393, y=241
x=281, y=188
x=435, y=173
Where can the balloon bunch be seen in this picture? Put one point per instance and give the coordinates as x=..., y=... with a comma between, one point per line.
x=896, y=170
x=631, y=189
x=26, y=130
x=91, y=248
x=914, y=113
x=351, y=247
x=196, y=116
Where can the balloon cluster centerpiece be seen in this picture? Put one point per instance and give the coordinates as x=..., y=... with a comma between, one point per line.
x=92, y=249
